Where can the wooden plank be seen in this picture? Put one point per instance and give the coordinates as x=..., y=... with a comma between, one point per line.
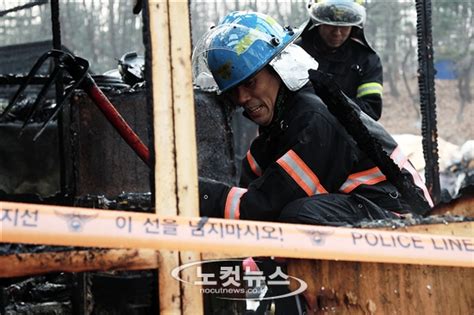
x=29, y=264
x=175, y=139
x=463, y=206
x=183, y=109
x=185, y=143
x=377, y=288
x=169, y=295
x=163, y=124
x=353, y=288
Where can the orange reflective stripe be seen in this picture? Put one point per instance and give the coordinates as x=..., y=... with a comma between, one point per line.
x=402, y=161
x=301, y=173
x=232, y=203
x=253, y=164
x=368, y=177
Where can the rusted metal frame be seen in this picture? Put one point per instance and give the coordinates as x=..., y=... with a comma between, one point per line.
x=27, y=80
x=77, y=67
x=64, y=117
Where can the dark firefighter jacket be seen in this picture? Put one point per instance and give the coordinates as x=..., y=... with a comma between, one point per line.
x=304, y=152
x=355, y=67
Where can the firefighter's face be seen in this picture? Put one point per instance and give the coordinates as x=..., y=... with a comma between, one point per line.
x=257, y=96
x=334, y=36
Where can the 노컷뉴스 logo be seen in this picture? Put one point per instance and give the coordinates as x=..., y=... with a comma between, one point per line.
x=230, y=280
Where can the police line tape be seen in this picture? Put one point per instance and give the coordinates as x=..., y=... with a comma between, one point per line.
x=68, y=226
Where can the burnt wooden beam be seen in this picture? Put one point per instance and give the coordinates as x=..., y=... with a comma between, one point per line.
x=26, y=264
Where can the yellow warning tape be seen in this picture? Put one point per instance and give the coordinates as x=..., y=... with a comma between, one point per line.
x=67, y=226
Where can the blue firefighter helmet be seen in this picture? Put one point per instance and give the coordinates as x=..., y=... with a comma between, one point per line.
x=337, y=12
x=238, y=47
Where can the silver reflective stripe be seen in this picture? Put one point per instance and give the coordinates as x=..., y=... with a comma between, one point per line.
x=232, y=204
x=301, y=173
x=369, y=177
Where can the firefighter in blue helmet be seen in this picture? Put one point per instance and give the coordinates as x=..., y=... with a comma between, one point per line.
x=335, y=38
x=304, y=167
x=303, y=155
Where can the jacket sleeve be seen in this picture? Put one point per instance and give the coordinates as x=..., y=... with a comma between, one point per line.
x=318, y=162
x=369, y=91
x=250, y=170
x=212, y=195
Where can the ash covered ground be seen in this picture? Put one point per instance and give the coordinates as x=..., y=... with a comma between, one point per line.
x=401, y=114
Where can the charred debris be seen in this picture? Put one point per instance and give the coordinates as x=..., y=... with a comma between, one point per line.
x=80, y=160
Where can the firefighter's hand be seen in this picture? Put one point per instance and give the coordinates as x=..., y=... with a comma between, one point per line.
x=212, y=197
x=321, y=79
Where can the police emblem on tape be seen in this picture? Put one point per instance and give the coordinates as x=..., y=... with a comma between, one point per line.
x=75, y=221
x=317, y=237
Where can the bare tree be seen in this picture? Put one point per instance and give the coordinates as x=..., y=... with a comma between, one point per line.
x=113, y=16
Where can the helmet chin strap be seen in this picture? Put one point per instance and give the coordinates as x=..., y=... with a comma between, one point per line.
x=279, y=102
x=279, y=108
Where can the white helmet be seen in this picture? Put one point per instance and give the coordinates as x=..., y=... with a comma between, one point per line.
x=337, y=12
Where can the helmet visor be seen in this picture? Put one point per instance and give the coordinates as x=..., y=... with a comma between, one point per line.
x=337, y=13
